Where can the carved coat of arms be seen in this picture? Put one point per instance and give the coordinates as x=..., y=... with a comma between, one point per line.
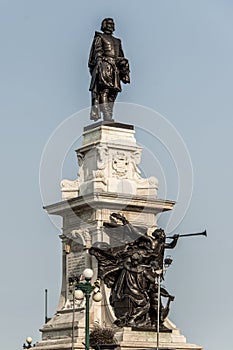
x=120, y=164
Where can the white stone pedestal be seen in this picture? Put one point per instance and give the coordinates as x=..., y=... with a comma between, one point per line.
x=135, y=340
x=109, y=181
x=108, y=162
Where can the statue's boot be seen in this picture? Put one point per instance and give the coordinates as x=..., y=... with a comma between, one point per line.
x=166, y=310
x=95, y=109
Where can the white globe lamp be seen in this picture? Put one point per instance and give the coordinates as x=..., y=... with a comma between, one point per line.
x=78, y=294
x=88, y=274
x=29, y=340
x=97, y=296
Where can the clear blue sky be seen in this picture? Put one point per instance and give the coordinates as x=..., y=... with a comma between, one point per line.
x=181, y=55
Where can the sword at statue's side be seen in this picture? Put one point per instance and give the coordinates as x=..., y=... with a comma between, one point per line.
x=204, y=233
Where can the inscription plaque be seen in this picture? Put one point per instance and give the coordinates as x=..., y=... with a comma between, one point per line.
x=76, y=261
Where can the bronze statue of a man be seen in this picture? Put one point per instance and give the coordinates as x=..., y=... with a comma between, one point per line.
x=108, y=67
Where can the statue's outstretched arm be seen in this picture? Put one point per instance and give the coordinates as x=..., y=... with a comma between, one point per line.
x=173, y=243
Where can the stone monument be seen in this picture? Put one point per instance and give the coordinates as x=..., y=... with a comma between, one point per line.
x=110, y=203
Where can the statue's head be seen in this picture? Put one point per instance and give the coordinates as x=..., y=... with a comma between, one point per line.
x=159, y=234
x=108, y=26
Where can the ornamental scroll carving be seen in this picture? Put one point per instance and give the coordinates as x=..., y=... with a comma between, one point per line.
x=135, y=160
x=101, y=163
x=80, y=237
x=80, y=163
x=69, y=188
x=102, y=157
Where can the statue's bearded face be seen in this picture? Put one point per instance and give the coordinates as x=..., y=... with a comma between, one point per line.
x=108, y=26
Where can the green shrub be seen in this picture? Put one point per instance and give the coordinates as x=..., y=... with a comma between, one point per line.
x=102, y=335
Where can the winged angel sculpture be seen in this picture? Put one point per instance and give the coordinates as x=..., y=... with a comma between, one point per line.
x=132, y=271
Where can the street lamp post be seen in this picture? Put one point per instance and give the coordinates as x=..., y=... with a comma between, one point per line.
x=82, y=290
x=159, y=273
x=167, y=263
x=29, y=343
x=87, y=289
